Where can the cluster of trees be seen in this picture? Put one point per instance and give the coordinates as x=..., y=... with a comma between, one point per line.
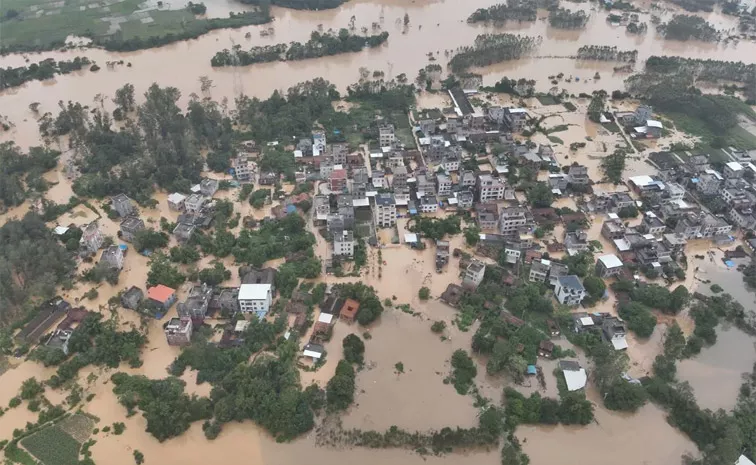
x=163, y=272
x=45, y=69
x=463, y=371
x=676, y=93
x=354, y=349
x=563, y=18
x=572, y=409
x=659, y=297
x=518, y=87
x=696, y=5
x=168, y=410
x=636, y=28
x=704, y=70
x=289, y=273
x=539, y=195
x=686, y=27
x=340, y=388
x=32, y=265
x=606, y=53
x=319, y=45
x=513, y=10
x=284, y=116
x=436, y=228
x=617, y=392
x=161, y=146
x=274, y=239
x=489, y=49
x=639, y=318
x=614, y=165
x=370, y=305
x=21, y=172
x=94, y=342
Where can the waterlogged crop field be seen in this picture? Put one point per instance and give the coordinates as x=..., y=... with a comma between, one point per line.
x=53, y=446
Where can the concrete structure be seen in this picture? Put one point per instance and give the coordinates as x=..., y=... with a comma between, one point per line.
x=733, y=169
x=91, y=238
x=122, y=204
x=208, y=187
x=162, y=296
x=608, y=265
x=343, y=244
x=513, y=219
x=652, y=224
x=194, y=203
x=574, y=375
x=490, y=188
x=196, y=303
x=132, y=298
x=176, y=202
x=443, y=185
x=178, y=332
x=384, y=213
x=112, y=257
x=569, y=290
x=183, y=232
x=386, y=135
x=129, y=227
x=244, y=168
x=578, y=174
x=349, y=310
x=255, y=298
x=399, y=181
x=539, y=271
x=474, y=274
x=428, y=204
x=338, y=180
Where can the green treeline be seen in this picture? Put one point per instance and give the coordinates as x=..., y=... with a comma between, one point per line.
x=513, y=10
x=563, y=18
x=490, y=49
x=319, y=45
x=32, y=264
x=298, y=4
x=21, y=173
x=687, y=27
x=606, y=53
x=720, y=436
x=45, y=69
x=705, y=70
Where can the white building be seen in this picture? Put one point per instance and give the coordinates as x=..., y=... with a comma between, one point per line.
x=386, y=135
x=444, y=184
x=733, y=169
x=384, y=213
x=244, y=168
x=343, y=244
x=194, y=203
x=490, y=188
x=176, y=202
x=474, y=273
x=569, y=290
x=255, y=298
x=428, y=204
x=512, y=219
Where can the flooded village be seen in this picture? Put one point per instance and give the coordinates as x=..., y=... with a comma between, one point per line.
x=534, y=259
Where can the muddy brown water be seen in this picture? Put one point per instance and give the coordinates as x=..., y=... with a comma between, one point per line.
x=429, y=32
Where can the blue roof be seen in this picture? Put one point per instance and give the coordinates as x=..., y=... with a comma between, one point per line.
x=532, y=370
x=291, y=208
x=123, y=247
x=730, y=264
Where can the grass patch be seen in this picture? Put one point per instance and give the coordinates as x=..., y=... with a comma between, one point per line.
x=547, y=100
x=555, y=140
x=611, y=127
x=53, y=446
x=736, y=136
x=559, y=128
x=78, y=426
x=45, y=24
x=569, y=106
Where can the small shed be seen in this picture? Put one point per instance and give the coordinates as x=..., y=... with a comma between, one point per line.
x=349, y=310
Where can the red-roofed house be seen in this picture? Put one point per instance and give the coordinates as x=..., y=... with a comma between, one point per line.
x=338, y=180
x=349, y=310
x=162, y=295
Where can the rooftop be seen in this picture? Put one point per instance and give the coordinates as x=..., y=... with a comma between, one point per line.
x=610, y=261
x=160, y=293
x=571, y=282
x=254, y=291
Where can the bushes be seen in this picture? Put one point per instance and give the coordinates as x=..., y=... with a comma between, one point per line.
x=340, y=388
x=639, y=318
x=574, y=408
x=438, y=327
x=424, y=293
x=463, y=371
x=625, y=396
x=354, y=349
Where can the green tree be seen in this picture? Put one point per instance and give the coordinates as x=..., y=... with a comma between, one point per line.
x=625, y=396
x=340, y=388
x=539, y=195
x=215, y=275
x=354, y=349
x=424, y=293
x=149, y=239
x=472, y=236
x=162, y=272
x=463, y=371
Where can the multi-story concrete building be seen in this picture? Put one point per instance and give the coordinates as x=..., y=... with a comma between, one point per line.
x=733, y=169
x=608, y=265
x=709, y=182
x=384, y=212
x=178, y=332
x=513, y=219
x=444, y=185
x=112, y=257
x=428, y=204
x=578, y=174
x=255, y=298
x=399, y=181
x=177, y=202
x=122, y=204
x=194, y=203
x=490, y=188
x=343, y=244
x=569, y=290
x=91, y=238
x=474, y=274
x=322, y=207
x=652, y=224
x=244, y=168
x=129, y=227
x=386, y=135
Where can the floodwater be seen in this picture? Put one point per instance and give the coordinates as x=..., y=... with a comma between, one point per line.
x=405, y=52
x=715, y=374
